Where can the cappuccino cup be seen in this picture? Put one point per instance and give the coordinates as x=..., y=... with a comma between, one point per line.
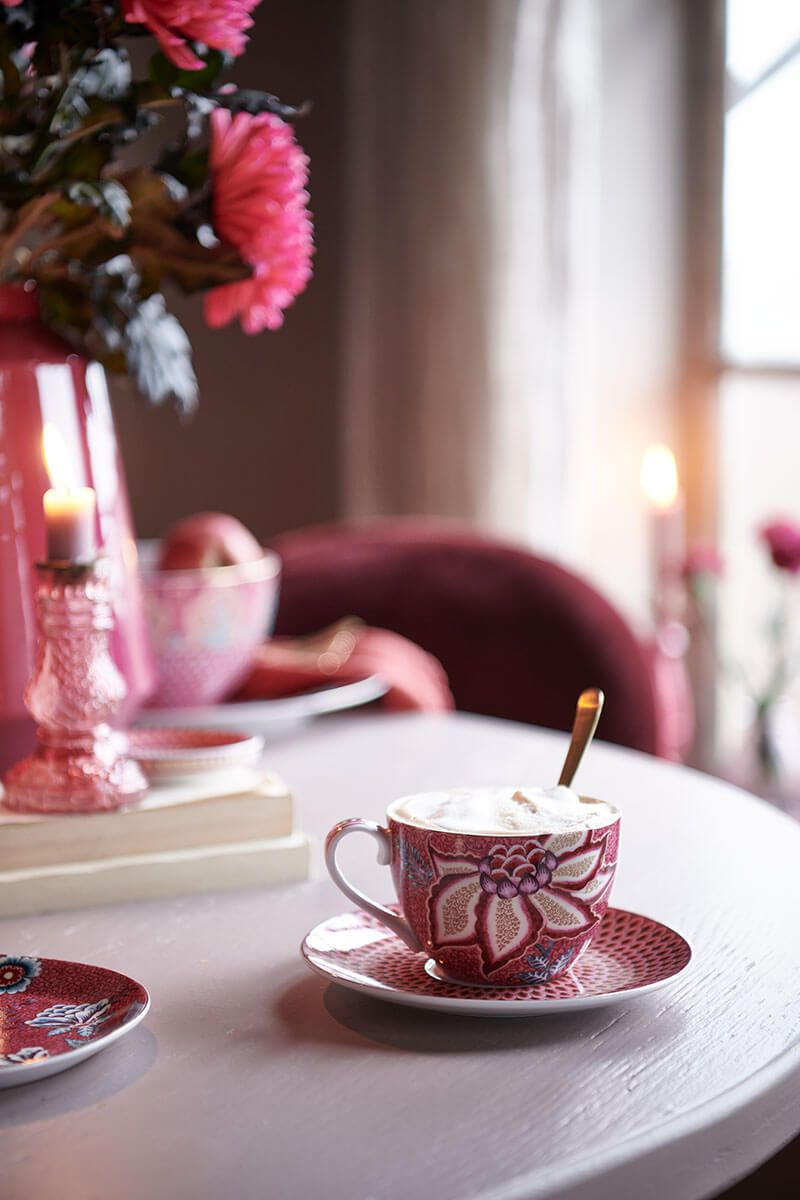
x=500, y=886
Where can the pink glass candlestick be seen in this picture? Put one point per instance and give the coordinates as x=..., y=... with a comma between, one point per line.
x=78, y=765
x=44, y=382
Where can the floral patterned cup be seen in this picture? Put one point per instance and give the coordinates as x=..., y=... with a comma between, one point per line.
x=496, y=909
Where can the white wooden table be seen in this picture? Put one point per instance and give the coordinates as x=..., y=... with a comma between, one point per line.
x=250, y=1080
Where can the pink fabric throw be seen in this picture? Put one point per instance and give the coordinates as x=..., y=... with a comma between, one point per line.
x=346, y=653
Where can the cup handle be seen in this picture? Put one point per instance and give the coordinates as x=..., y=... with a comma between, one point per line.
x=397, y=924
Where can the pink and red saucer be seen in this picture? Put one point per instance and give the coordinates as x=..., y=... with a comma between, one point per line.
x=629, y=956
x=54, y=1014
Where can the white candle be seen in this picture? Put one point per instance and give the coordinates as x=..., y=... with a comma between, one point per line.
x=69, y=523
x=667, y=514
x=69, y=509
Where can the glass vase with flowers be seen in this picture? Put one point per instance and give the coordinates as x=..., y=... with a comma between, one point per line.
x=93, y=242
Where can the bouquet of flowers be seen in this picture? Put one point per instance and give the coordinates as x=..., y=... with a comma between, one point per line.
x=221, y=206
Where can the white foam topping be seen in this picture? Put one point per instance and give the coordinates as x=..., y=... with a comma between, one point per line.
x=528, y=810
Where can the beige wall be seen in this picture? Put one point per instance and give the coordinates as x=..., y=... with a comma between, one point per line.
x=631, y=390
x=263, y=444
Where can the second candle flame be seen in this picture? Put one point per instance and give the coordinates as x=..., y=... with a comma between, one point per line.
x=660, y=476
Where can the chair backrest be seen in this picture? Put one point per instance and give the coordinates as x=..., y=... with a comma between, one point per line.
x=518, y=635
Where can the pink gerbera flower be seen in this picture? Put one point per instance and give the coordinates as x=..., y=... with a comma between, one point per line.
x=220, y=24
x=258, y=176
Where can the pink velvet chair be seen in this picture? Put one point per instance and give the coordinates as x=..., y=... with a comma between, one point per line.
x=518, y=636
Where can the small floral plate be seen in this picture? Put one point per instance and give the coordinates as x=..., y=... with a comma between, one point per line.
x=629, y=956
x=54, y=1014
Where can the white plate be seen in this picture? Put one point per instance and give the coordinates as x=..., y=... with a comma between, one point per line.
x=264, y=716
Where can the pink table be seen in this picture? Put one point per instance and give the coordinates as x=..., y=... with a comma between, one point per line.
x=250, y=1079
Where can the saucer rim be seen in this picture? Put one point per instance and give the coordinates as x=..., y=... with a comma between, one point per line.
x=485, y=1006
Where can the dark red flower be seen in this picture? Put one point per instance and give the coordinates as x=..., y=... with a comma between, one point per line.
x=783, y=542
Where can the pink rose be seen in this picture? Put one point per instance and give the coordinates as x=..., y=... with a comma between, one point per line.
x=220, y=24
x=783, y=542
x=259, y=203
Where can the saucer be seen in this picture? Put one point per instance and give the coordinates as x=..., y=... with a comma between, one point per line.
x=54, y=1014
x=629, y=956
x=167, y=755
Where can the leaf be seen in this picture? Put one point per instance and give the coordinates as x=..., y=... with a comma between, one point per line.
x=154, y=95
x=191, y=169
x=21, y=17
x=107, y=76
x=105, y=195
x=99, y=116
x=161, y=250
x=158, y=354
x=154, y=193
x=250, y=100
x=85, y=160
x=161, y=70
x=192, y=272
x=65, y=305
x=85, y=246
x=9, y=71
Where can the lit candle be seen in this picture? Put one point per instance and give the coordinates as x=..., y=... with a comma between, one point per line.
x=667, y=533
x=69, y=510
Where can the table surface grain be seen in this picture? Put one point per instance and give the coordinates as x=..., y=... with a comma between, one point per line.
x=251, y=1078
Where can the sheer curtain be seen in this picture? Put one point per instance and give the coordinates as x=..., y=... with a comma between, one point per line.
x=467, y=258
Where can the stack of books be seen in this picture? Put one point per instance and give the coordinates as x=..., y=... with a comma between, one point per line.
x=232, y=829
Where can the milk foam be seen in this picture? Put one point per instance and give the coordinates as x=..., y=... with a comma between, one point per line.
x=529, y=811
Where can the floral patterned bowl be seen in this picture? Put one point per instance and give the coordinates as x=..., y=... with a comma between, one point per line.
x=54, y=1014
x=205, y=626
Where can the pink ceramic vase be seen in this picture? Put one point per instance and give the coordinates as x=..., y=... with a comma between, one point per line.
x=42, y=380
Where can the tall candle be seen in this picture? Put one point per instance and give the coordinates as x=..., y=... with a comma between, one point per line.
x=69, y=509
x=666, y=516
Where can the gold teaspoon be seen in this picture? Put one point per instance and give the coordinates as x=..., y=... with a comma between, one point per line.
x=587, y=714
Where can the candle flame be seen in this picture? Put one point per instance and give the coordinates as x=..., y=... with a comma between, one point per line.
x=660, y=476
x=60, y=466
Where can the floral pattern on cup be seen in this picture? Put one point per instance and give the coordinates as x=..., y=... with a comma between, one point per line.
x=511, y=896
x=546, y=963
x=16, y=973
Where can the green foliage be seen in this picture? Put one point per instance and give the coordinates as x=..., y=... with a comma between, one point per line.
x=201, y=81
x=251, y=101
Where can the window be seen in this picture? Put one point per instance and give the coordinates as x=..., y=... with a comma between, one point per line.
x=759, y=336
